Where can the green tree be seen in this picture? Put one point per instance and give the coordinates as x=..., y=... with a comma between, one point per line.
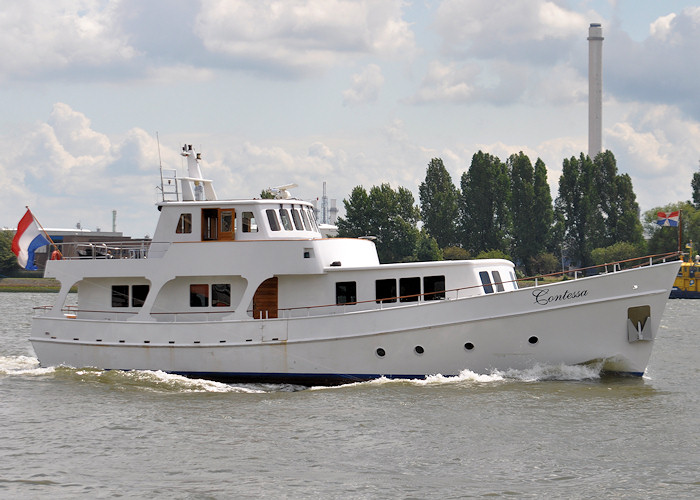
x=438, y=204
x=695, y=184
x=622, y=250
x=484, y=217
x=427, y=248
x=542, y=223
x=267, y=194
x=578, y=206
x=531, y=209
x=8, y=261
x=390, y=215
x=665, y=239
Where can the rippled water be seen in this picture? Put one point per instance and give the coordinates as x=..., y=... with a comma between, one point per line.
x=555, y=432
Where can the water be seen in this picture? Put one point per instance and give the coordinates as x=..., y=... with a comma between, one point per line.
x=555, y=432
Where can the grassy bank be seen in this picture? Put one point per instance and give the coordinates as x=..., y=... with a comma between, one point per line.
x=48, y=285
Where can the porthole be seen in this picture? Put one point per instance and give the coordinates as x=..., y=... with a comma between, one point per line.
x=419, y=349
x=533, y=340
x=381, y=352
x=469, y=346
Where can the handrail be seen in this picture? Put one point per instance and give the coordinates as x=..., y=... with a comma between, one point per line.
x=647, y=260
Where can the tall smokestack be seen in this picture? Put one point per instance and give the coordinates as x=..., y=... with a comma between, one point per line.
x=595, y=89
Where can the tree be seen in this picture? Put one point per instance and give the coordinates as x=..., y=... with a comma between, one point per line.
x=8, y=261
x=579, y=208
x=389, y=215
x=665, y=239
x=695, y=184
x=427, y=248
x=484, y=218
x=438, y=204
x=531, y=209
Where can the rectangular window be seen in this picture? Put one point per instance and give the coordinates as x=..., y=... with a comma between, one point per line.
x=272, y=219
x=409, y=289
x=312, y=219
x=286, y=221
x=385, y=290
x=184, y=224
x=221, y=295
x=345, y=292
x=297, y=220
x=305, y=218
x=486, y=281
x=434, y=288
x=512, y=278
x=120, y=295
x=210, y=224
x=249, y=224
x=498, y=281
x=199, y=295
x=226, y=221
x=138, y=295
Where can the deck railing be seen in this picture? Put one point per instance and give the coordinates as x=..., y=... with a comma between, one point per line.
x=399, y=300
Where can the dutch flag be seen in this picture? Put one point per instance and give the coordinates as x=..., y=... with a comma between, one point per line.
x=27, y=239
x=668, y=219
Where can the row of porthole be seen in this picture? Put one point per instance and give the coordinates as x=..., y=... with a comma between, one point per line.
x=419, y=349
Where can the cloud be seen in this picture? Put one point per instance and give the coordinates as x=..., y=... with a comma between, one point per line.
x=43, y=37
x=365, y=86
x=664, y=68
x=299, y=37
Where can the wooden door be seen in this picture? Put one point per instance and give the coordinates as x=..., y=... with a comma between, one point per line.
x=227, y=221
x=265, y=300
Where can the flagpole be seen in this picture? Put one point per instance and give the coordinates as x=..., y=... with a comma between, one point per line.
x=44, y=231
x=680, y=229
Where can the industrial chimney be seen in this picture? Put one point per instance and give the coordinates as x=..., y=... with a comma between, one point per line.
x=595, y=89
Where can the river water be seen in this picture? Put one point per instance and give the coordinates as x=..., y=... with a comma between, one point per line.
x=555, y=432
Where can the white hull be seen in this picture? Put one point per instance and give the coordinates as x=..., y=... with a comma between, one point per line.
x=588, y=322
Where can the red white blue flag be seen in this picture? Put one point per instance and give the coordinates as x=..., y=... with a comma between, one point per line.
x=27, y=239
x=668, y=219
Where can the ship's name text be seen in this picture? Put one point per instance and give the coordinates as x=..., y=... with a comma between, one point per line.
x=543, y=297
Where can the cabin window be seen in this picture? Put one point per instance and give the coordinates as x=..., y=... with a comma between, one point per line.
x=210, y=224
x=138, y=295
x=286, y=221
x=226, y=221
x=199, y=295
x=184, y=224
x=409, y=289
x=498, y=281
x=272, y=219
x=385, y=290
x=345, y=292
x=512, y=278
x=221, y=295
x=312, y=219
x=434, y=288
x=297, y=220
x=486, y=281
x=120, y=295
x=249, y=224
x=305, y=218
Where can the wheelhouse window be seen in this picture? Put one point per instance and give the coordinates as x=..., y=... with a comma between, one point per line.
x=286, y=221
x=184, y=224
x=312, y=219
x=434, y=288
x=409, y=289
x=305, y=218
x=120, y=295
x=199, y=295
x=345, y=292
x=385, y=290
x=486, y=281
x=272, y=219
x=297, y=220
x=249, y=224
x=497, y=281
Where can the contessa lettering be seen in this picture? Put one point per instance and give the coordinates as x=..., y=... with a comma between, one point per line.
x=543, y=297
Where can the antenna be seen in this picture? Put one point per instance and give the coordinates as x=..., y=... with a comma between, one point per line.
x=282, y=193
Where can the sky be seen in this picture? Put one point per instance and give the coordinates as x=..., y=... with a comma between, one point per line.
x=96, y=94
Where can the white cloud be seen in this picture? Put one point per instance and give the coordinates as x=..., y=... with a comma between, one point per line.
x=661, y=27
x=450, y=82
x=365, y=86
x=302, y=36
x=38, y=37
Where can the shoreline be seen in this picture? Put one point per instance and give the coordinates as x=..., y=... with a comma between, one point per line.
x=18, y=285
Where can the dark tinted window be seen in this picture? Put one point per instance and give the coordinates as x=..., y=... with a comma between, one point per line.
x=409, y=289
x=138, y=295
x=386, y=290
x=221, y=295
x=434, y=287
x=120, y=295
x=345, y=292
x=199, y=295
x=486, y=281
x=272, y=219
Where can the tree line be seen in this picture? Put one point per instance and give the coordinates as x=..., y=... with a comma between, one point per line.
x=505, y=209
